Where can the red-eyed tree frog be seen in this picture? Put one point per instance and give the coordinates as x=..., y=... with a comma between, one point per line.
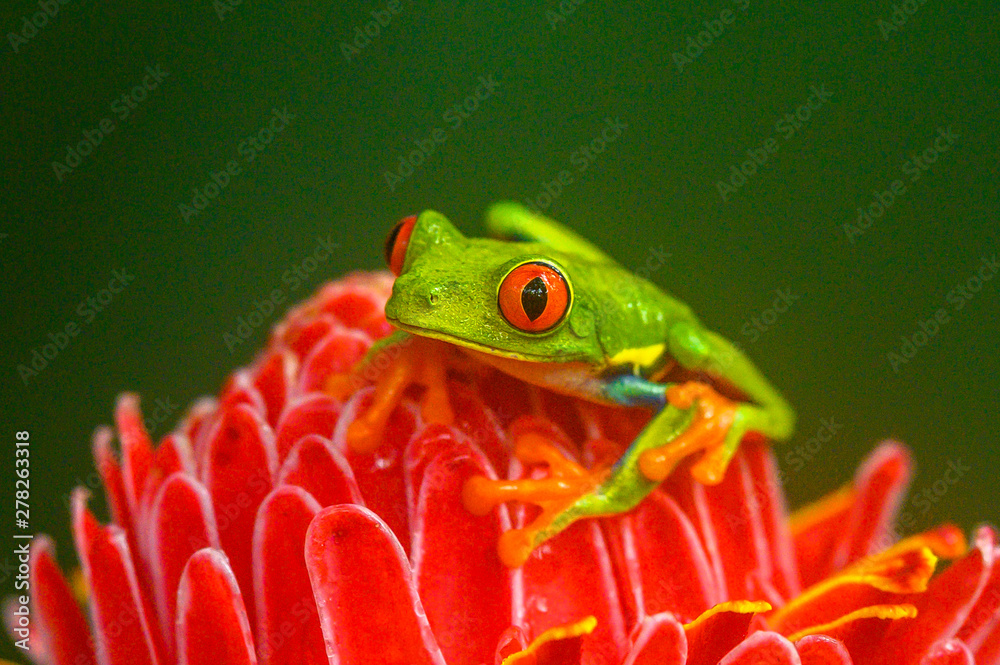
x=542, y=304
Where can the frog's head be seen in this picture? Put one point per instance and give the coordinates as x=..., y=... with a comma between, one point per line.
x=510, y=299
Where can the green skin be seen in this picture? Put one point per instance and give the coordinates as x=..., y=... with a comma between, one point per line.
x=447, y=290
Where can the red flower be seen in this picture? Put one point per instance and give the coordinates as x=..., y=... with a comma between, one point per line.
x=253, y=534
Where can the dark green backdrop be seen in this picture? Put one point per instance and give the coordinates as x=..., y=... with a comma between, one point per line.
x=353, y=113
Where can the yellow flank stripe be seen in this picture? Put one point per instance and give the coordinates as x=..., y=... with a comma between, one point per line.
x=645, y=356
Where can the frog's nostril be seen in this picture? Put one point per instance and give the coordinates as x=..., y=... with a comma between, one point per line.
x=433, y=298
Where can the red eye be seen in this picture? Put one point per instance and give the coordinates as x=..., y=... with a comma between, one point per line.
x=396, y=243
x=534, y=297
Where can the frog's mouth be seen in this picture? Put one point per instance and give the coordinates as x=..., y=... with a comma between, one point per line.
x=473, y=346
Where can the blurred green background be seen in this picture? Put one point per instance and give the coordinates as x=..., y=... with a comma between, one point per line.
x=354, y=107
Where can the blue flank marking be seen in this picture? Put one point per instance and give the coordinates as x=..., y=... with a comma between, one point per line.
x=631, y=390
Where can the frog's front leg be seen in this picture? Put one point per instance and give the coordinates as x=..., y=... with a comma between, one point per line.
x=720, y=423
x=396, y=362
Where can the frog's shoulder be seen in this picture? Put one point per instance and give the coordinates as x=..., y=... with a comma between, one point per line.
x=632, y=316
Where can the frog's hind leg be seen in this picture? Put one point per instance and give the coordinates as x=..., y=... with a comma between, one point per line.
x=711, y=429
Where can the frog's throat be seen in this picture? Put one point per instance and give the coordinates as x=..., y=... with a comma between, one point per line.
x=475, y=346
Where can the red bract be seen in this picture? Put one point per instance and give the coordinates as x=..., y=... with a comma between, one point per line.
x=253, y=534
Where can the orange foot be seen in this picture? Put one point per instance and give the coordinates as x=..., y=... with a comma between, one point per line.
x=567, y=482
x=709, y=431
x=417, y=361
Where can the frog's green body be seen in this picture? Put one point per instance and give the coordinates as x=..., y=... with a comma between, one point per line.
x=617, y=336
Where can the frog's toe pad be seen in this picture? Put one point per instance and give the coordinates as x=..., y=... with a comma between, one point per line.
x=711, y=468
x=515, y=546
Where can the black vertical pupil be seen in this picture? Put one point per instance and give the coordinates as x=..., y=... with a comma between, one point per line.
x=390, y=242
x=534, y=297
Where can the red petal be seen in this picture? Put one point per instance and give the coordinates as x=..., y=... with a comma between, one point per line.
x=181, y=523
x=198, y=424
x=763, y=648
x=862, y=631
x=301, y=336
x=171, y=456
x=433, y=440
x=943, y=608
x=380, y=473
x=273, y=379
x=479, y=423
x=240, y=389
x=949, y=652
x=506, y=397
x=60, y=624
x=625, y=565
x=315, y=465
x=288, y=630
x=816, y=530
x=511, y=641
x=335, y=354
x=822, y=650
x=717, y=632
x=659, y=640
x=766, y=484
x=466, y=590
x=569, y=578
x=368, y=606
x=666, y=563
x=988, y=652
x=125, y=634
x=137, y=459
x=313, y=414
x=111, y=477
x=692, y=499
x=881, y=581
x=355, y=305
x=212, y=626
x=238, y=471
x=881, y=484
x=984, y=617
x=734, y=517
x=137, y=449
